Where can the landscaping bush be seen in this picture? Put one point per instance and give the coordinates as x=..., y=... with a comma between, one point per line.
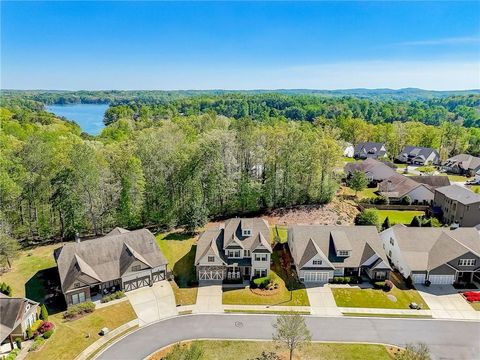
x=36, y=325
x=43, y=313
x=345, y=280
x=12, y=354
x=47, y=334
x=46, y=326
x=37, y=344
x=406, y=200
x=6, y=289
x=261, y=282
x=18, y=341
x=386, y=285
x=116, y=295
x=29, y=332
x=79, y=309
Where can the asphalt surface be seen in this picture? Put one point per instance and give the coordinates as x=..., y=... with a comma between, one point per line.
x=446, y=339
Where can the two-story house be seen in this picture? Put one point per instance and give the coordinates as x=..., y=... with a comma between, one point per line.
x=369, y=150
x=239, y=250
x=121, y=260
x=321, y=252
x=439, y=255
x=463, y=164
x=457, y=204
x=418, y=155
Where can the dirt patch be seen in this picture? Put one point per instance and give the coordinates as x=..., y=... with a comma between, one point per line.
x=338, y=212
x=262, y=292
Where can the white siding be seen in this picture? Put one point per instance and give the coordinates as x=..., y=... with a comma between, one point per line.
x=420, y=194
x=204, y=260
x=396, y=255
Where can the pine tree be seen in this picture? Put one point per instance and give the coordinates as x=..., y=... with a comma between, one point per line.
x=43, y=313
x=416, y=222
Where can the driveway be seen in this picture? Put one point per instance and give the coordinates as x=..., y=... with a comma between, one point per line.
x=321, y=300
x=446, y=339
x=152, y=303
x=209, y=298
x=446, y=303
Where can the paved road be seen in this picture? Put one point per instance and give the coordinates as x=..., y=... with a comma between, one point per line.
x=447, y=339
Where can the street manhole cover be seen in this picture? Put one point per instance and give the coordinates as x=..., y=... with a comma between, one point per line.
x=392, y=298
x=238, y=324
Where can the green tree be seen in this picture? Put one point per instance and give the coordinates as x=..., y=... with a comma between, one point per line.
x=386, y=224
x=292, y=331
x=416, y=222
x=358, y=181
x=9, y=248
x=43, y=313
x=368, y=217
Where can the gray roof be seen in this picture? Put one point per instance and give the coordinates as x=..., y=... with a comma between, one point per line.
x=376, y=169
x=399, y=185
x=260, y=233
x=463, y=161
x=415, y=152
x=425, y=249
x=369, y=148
x=432, y=180
x=106, y=258
x=210, y=239
x=459, y=193
x=12, y=313
x=309, y=240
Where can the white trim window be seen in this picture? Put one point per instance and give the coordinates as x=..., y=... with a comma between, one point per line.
x=78, y=298
x=260, y=257
x=246, y=253
x=466, y=262
x=317, y=262
x=246, y=232
x=234, y=254
x=392, y=241
x=343, y=252
x=211, y=259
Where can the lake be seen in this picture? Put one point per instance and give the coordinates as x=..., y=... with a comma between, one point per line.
x=88, y=116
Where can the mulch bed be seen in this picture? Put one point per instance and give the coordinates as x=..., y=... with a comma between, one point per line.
x=263, y=292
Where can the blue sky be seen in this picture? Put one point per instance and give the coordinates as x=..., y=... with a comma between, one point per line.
x=239, y=45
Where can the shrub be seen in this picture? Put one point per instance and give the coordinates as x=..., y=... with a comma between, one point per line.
x=406, y=200
x=29, y=332
x=37, y=344
x=261, y=282
x=368, y=217
x=46, y=326
x=36, y=325
x=6, y=289
x=116, y=295
x=379, y=284
x=43, y=312
x=18, y=341
x=79, y=309
x=47, y=334
x=12, y=354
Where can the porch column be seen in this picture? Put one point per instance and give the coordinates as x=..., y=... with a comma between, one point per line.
x=359, y=271
x=10, y=338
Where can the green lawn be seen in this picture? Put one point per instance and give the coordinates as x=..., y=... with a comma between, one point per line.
x=395, y=316
x=398, y=216
x=364, y=194
x=371, y=298
x=297, y=297
x=179, y=249
x=25, y=277
x=280, y=231
x=348, y=159
x=458, y=178
x=70, y=338
x=233, y=350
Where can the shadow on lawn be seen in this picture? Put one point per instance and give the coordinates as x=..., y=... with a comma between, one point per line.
x=178, y=236
x=44, y=288
x=184, y=269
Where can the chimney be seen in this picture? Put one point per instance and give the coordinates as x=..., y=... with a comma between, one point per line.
x=77, y=238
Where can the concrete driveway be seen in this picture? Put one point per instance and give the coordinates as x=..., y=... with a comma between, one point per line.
x=446, y=303
x=209, y=298
x=152, y=303
x=321, y=300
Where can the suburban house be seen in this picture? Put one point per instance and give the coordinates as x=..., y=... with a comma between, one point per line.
x=463, y=164
x=239, y=250
x=121, y=260
x=418, y=155
x=16, y=316
x=369, y=150
x=397, y=187
x=457, y=204
x=374, y=170
x=348, y=150
x=434, y=181
x=321, y=252
x=439, y=255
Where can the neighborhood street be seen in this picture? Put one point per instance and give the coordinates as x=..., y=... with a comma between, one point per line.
x=446, y=339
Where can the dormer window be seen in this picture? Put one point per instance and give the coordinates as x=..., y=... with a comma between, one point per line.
x=343, y=253
x=466, y=262
x=246, y=232
x=317, y=262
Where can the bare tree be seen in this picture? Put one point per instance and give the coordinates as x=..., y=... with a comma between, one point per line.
x=418, y=351
x=292, y=331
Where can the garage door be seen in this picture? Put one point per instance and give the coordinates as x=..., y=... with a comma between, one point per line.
x=442, y=279
x=316, y=276
x=210, y=275
x=418, y=278
x=157, y=276
x=136, y=283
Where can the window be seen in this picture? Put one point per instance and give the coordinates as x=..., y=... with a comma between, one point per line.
x=392, y=242
x=136, y=267
x=247, y=232
x=466, y=262
x=389, y=253
x=78, y=298
x=77, y=285
x=234, y=253
x=260, y=272
x=246, y=253
x=260, y=257
x=211, y=259
x=317, y=262
x=343, y=252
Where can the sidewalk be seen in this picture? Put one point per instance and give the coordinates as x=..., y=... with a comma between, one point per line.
x=267, y=308
x=381, y=311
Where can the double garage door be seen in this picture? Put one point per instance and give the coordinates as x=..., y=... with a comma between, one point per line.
x=434, y=279
x=136, y=283
x=316, y=276
x=210, y=275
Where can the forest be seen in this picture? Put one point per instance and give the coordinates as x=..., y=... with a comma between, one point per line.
x=189, y=159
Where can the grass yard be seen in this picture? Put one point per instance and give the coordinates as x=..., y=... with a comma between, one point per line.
x=25, y=275
x=69, y=338
x=457, y=178
x=348, y=159
x=399, y=216
x=179, y=249
x=274, y=312
x=297, y=297
x=395, y=316
x=280, y=232
x=367, y=193
x=233, y=350
x=371, y=298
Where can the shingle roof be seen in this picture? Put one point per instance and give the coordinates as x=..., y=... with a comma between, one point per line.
x=399, y=185
x=371, y=167
x=418, y=152
x=369, y=148
x=464, y=161
x=233, y=233
x=210, y=240
x=459, y=193
x=12, y=312
x=431, y=180
x=364, y=243
x=106, y=258
x=425, y=249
